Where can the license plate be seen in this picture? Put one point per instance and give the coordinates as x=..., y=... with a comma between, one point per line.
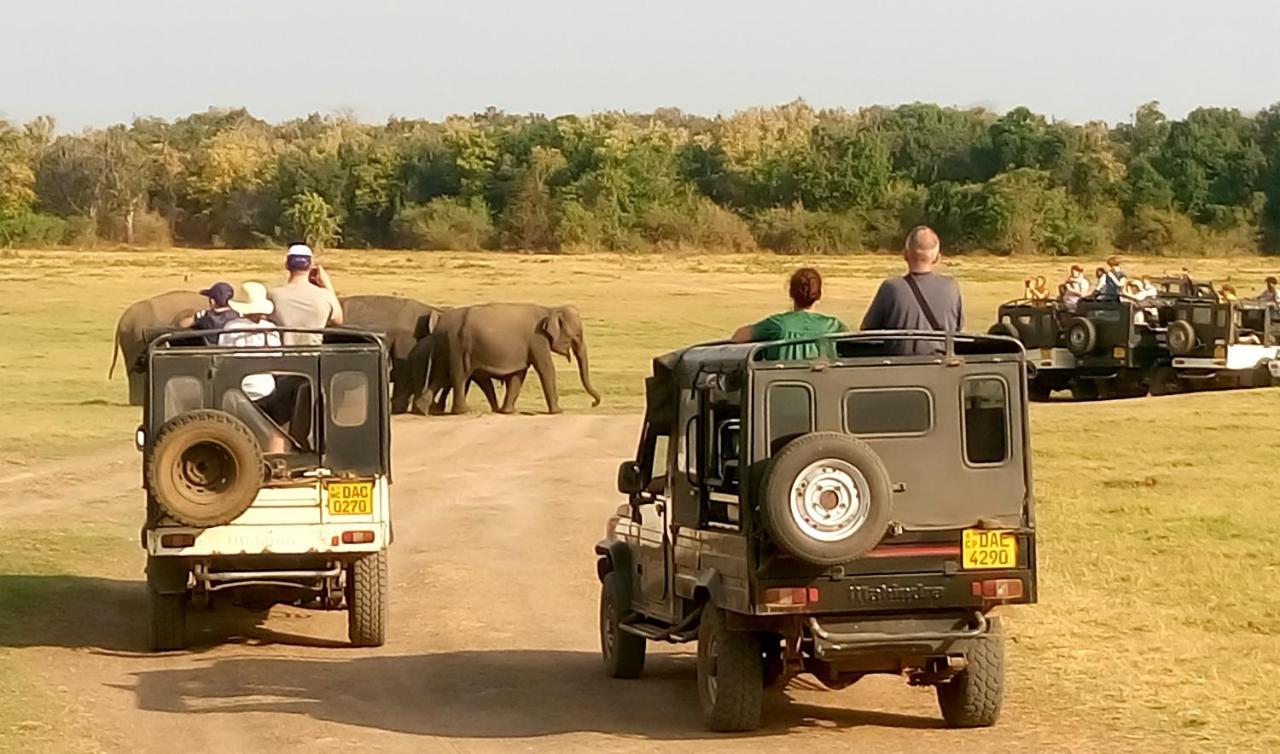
x=1118, y=352
x=351, y=498
x=984, y=548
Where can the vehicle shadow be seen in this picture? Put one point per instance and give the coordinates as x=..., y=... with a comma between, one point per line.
x=476, y=694
x=110, y=615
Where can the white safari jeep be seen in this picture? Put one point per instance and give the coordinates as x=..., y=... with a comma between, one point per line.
x=267, y=473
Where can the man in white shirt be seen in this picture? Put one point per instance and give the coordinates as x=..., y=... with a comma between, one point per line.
x=254, y=330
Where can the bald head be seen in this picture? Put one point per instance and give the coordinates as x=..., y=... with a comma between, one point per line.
x=922, y=249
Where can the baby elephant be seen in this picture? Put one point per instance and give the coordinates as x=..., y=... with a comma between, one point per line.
x=501, y=341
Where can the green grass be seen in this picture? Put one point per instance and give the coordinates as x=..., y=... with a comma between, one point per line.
x=1158, y=527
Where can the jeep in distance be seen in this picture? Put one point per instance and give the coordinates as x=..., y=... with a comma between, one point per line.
x=857, y=512
x=284, y=502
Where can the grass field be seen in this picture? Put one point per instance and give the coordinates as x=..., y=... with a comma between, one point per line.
x=1158, y=528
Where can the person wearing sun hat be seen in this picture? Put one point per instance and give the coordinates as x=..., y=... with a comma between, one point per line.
x=253, y=330
x=307, y=300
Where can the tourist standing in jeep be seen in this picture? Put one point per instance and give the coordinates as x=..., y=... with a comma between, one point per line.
x=920, y=300
x=805, y=289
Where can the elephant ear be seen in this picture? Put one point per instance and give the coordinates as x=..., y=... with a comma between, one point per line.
x=553, y=326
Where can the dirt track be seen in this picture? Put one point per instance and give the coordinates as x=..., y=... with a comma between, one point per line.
x=492, y=636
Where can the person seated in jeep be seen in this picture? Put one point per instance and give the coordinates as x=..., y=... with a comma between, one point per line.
x=253, y=330
x=1270, y=295
x=217, y=315
x=920, y=300
x=805, y=288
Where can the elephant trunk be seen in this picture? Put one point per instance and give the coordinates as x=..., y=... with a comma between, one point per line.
x=584, y=371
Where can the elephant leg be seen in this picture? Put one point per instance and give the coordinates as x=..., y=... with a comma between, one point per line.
x=400, y=389
x=490, y=394
x=418, y=368
x=547, y=376
x=137, y=386
x=514, y=383
x=459, y=387
x=437, y=404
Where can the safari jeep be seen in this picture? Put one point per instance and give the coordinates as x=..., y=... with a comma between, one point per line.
x=1222, y=345
x=858, y=512
x=1041, y=328
x=288, y=504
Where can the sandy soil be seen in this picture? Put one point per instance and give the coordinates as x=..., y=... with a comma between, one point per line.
x=492, y=632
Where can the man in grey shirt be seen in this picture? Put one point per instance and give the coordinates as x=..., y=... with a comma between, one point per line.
x=921, y=300
x=307, y=300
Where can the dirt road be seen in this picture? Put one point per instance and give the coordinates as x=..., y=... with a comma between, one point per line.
x=492, y=635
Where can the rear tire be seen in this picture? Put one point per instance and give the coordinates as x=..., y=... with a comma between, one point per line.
x=730, y=674
x=1038, y=391
x=1084, y=390
x=623, y=653
x=1082, y=336
x=367, y=601
x=168, y=621
x=1181, y=337
x=972, y=698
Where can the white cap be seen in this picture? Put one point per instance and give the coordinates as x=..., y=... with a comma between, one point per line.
x=299, y=250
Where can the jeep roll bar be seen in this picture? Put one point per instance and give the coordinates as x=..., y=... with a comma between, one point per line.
x=194, y=339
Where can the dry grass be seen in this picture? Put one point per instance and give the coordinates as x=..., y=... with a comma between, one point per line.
x=1159, y=620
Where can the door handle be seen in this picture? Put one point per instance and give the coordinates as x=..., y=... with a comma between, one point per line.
x=661, y=508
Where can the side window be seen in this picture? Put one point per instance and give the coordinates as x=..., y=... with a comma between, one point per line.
x=900, y=411
x=790, y=412
x=182, y=394
x=348, y=399
x=986, y=420
x=657, y=472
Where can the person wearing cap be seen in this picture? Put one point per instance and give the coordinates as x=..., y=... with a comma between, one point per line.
x=217, y=315
x=252, y=329
x=307, y=300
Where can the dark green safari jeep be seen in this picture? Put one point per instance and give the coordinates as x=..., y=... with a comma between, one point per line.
x=857, y=512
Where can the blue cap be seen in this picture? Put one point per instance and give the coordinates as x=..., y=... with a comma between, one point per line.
x=220, y=293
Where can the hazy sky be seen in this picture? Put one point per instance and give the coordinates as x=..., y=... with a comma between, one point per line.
x=101, y=61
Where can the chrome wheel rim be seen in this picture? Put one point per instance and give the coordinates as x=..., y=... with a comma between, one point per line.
x=830, y=500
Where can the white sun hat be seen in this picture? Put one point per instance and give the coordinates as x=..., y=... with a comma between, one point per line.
x=256, y=300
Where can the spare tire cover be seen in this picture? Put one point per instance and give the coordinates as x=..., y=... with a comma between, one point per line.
x=827, y=498
x=1082, y=336
x=1181, y=337
x=205, y=468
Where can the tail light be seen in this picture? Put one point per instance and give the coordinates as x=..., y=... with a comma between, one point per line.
x=177, y=540
x=357, y=537
x=998, y=589
x=790, y=597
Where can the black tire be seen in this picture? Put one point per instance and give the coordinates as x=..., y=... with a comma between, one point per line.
x=367, y=601
x=850, y=466
x=1082, y=336
x=730, y=675
x=1164, y=381
x=1038, y=391
x=623, y=653
x=972, y=698
x=205, y=468
x=1004, y=328
x=1084, y=390
x=168, y=626
x=1181, y=337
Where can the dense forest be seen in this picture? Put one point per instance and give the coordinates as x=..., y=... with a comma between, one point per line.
x=790, y=179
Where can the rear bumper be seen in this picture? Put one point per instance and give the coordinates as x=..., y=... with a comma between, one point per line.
x=926, y=634
x=288, y=539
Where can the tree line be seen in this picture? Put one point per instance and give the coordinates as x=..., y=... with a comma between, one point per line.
x=790, y=178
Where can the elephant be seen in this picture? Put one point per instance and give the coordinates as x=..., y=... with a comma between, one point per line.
x=501, y=341
x=408, y=325
x=165, y=310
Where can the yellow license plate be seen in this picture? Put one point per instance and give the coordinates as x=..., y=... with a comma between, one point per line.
x=985, y=548
x=350, y=498
x=1118, y=352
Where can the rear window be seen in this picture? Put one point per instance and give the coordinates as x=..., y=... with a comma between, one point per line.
x=901, y=411
x=986, y=420
x=790, y=414
x=348, y=398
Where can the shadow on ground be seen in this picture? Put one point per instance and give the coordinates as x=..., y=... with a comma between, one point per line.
x=475, y=694
x=84, y=612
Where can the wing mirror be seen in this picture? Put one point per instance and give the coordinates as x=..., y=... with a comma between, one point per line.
x=630, y=481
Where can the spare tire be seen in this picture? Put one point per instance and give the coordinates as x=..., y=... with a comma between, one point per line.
x=1181, y=337
x=1082, y=336
x=1004, y=328
x=827, y=498
x=205, y=468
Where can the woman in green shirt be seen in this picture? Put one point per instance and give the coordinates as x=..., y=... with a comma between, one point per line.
x=802, y=321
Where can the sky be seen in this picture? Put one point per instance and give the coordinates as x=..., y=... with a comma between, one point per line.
x=96, y=62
